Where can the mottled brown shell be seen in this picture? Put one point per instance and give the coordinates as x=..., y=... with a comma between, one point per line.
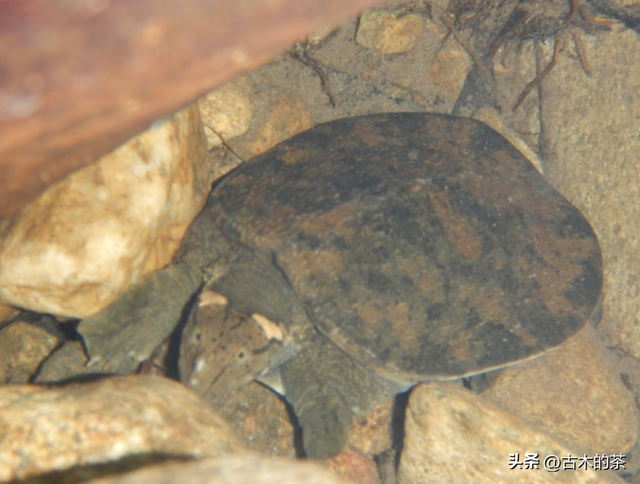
x=424, y=245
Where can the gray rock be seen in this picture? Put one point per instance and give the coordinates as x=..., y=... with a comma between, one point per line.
x=134, y=417
x=237, y=469
x=573, y=393
x=452, y=435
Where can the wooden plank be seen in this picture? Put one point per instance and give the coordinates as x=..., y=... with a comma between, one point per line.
x=78, y=78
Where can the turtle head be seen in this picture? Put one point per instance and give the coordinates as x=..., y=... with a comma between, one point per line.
x=223, y=348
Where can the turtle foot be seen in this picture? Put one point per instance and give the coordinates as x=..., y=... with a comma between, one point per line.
x=325, y=387
x=123, y=350
x=127, y=331
x=325, y=422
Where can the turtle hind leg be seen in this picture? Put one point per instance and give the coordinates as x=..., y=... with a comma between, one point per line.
x=325, y=419
x=128, y=330
x=325, y=388
x=322, y=412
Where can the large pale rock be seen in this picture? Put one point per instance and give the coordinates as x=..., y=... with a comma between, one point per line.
x=235, y=469
x=573, y=393
x=74, y=249
x=53, y=429
x=7, y=312
x=452, y=435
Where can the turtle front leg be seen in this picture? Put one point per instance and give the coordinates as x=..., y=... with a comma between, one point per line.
x=325, y=388
x=128, y=330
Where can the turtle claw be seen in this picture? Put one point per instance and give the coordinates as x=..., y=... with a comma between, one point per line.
x=128, y=331
x=122, y=350
x=93, y=362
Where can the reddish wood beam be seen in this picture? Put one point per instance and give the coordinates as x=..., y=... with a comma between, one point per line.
x=77, y=78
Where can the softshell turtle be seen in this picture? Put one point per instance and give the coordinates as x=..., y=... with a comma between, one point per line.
x=361, y=257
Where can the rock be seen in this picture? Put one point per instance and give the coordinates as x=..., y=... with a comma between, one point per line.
x=7, y=312
x=389, y=31
x=260, y=418
x=228, y=110
x=450, y=64
x=574, y=394
x=370, y=437
x=284, y=117
x=236, y=469
x=353, y=466
x=132, y=417
x=453, y=435
x=74, y=249
x=23, y=347
x=371, y=434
